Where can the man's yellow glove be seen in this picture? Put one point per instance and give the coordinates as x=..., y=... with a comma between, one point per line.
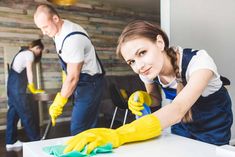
x=63, y=73
x=137, y=100
x=33, y=90
x=142, y=129
x=56, y=107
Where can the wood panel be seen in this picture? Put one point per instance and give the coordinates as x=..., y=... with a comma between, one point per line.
x=103, y=22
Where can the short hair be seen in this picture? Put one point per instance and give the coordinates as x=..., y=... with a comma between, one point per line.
x=48, y=8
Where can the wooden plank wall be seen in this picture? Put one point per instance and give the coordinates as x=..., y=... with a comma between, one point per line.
x=103, y=22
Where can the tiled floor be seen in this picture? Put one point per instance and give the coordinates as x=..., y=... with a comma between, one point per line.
x=54, y=132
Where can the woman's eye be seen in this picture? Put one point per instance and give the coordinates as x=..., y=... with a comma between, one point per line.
x=141, y=53
x=131, y=63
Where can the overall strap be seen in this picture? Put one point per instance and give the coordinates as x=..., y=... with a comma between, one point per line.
x=63, y=64
x=187, y=56
x=68, y=35
x=81, y=33
x=22, y=49
x=170, y=93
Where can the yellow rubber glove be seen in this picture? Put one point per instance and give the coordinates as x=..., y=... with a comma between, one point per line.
x=63, y=76
x=137, y=100
x=33, y=90
x=56, y=107
x=142, y=129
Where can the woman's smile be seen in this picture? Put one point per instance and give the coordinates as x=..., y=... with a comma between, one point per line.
x=145, y=71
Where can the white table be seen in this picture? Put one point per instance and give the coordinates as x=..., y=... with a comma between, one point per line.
x=167, y=145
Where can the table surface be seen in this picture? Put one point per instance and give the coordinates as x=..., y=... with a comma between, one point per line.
x=167, y=145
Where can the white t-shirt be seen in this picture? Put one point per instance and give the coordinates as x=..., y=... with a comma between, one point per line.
x=77, y=48
x=201, y=60
x=21, y=60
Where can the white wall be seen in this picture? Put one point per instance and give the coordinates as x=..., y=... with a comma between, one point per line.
x=209, y=25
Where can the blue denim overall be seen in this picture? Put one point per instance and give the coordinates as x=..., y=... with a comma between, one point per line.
x=87, y=97
x=18, y=107
x=212, y=115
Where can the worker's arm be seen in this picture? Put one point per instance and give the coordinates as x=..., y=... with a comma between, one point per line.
x=148, y=126
x=174, y=112
x=155, y=93
x=70, y=83
x=29, y=72
x=72, y=78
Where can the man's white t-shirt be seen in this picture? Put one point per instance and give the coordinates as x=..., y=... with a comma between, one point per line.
x=77, y=48
x=201, y=60
x=21, y=60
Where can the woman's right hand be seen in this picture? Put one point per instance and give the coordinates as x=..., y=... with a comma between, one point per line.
x=142, y=129
x=137, y=100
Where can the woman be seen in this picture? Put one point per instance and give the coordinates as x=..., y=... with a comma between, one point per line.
x=201, y=110
x=21, y=74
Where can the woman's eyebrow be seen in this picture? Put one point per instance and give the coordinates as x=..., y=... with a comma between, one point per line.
x=136, y=53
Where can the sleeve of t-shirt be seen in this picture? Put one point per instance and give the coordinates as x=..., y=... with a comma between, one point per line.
x=74, y=49
x=29, y=56
x=202, y=61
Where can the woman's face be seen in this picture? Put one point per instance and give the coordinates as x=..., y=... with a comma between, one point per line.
x=144, y=56
x=36, y=50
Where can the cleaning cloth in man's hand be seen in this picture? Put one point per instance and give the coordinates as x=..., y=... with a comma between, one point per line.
x=57, y=151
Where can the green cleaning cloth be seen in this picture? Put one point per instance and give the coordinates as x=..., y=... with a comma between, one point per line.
x=57, y=151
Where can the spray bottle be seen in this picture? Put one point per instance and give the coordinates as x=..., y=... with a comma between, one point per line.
x=146, y=109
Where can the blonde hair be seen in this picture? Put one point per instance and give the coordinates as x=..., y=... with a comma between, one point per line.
x=47, y=9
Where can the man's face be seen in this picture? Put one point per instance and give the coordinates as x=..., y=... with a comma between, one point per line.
x=47, y=24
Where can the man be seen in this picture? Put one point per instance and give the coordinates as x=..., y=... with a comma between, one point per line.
x=84, y=72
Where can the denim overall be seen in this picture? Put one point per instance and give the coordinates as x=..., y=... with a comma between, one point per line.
x=87, y=96
x=212, y=115
x=18, y=107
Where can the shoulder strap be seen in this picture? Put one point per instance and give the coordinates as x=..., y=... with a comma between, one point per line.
x=22, y=49
x=170, y=93
x=187, y=56
x=72, y=33
x=81, y=33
